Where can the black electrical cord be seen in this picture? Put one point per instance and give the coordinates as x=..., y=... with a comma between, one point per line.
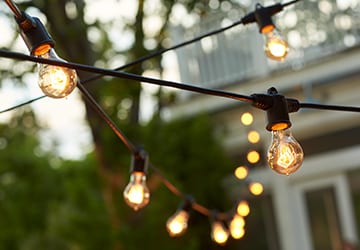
x=126, y=75
x=245, y=20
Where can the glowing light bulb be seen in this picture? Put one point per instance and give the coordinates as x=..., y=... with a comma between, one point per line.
x=241, y=172
x=285, y=154
x=55, y=81
x=243, y=208
x=253, y=137
x=236, y=227
x=136, y=193
x=219, y=233
x=276, y=47
x=253, y=156
x=177, y=224
x=247, y=118
x=256, y=188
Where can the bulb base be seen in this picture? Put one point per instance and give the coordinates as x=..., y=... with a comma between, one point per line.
x=34, y=33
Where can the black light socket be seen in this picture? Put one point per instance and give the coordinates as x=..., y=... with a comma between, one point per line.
x=34, y=33
x=277, y=114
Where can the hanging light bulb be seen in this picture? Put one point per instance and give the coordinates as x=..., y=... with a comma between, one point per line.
x=285, y=154
x=236, y=226
x=256, y=188
x=243, y=208
x=219, y=233
x=54, y=81
x=136, y=193
x=177, y=224
x=276, y=47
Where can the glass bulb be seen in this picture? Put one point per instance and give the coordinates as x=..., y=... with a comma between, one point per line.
x=243, y=208
x=176, y=225
x=219, y=233
x=136, y=193
x=256, y=188
x=236, y=227
x=276, y=47
x=55, y=81
x=285, y=154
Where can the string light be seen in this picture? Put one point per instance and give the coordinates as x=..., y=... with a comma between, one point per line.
x=237, y=226
x=177, y=224
x=253, y=136
x=219, y=233
x=136, y=193
x=256, y=188
x=247, y=118
x=253, y=156
x=285, y=159
x=54, y=81
x=276, y=47
x=285, y=154
x=241, y=172
x=243, y=208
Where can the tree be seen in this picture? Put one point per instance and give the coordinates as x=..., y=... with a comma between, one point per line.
x=67, y=24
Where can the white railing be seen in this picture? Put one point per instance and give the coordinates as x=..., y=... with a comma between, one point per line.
x=237, y=55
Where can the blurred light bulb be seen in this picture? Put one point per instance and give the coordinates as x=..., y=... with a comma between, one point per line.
x=253, y=136
x=253, y=156
x=55, y=81
x=247, y=118
x=236, y=227
x=241, y=172
x=256, y=188
x=243, y=208
x=219, y=233
x=177, y=224
x=285, y=154
x=276, y=47
x=136, y=193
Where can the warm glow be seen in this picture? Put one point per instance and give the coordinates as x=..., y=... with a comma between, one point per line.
x=256, y=188
x=55, y=81
x=237, y=230
x=253, y=157
x=243, y=208
x=253, y=136
x=247, y=119
x=237, y=221
x=241, y=172
x=219, y=233
x=276, y=47
x=285, y=154
x=177, y=224
x=136, y=193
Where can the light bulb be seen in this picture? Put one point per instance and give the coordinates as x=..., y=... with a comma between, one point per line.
x=276, y=47
x=136, y=193
x=177, y=224
x=243, y=208
x=256, y=188
x=285, y=154
x=55, y=81
x=236, y=227
x=219, y=233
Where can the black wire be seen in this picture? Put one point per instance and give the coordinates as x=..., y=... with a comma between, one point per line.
x=21, y=104
x=329, y=107
x=125, y=75
x=289, y=3
x=17, y=12
x=107, y=119
x=141, y=59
